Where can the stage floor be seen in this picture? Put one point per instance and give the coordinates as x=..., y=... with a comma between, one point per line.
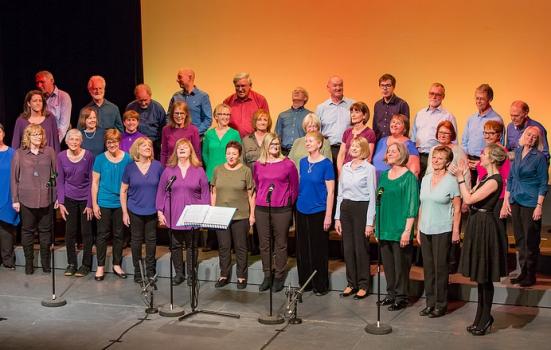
x=99, y=312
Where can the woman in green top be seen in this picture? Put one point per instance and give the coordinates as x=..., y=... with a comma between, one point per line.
x=399, y=207
x=233, y=186
x=216, y=139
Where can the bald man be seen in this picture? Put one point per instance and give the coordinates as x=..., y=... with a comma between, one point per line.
x=58, y=101
x=519, y=122
x=197, y=100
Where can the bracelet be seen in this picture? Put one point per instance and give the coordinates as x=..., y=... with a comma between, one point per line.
x=461, y=182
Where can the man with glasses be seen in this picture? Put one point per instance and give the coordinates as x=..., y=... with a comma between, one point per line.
x=519, y=122
x=423, y=132
x=473, y=137
x=108, y=113
x=244, y=103
x=152, y=116
x=197, y=100
x=387, y=106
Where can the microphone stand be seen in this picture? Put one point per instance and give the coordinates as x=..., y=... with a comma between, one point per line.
x=147, y=288
x=170, y=310
x=54, y=301
x=194, y=290
x=378, y=328
x=294, y=296
x=271, y=319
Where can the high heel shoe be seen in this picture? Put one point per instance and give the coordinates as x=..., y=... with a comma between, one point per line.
x=99, y=278
x=486, y=329
x=120, y=275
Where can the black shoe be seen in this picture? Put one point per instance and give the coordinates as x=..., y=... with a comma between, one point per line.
x=70, y=270
x=99, y=278
x=426, y=311
x=278, y=285
x=29, y=269
x=9, y=267
x=386, y=301
x=351, y=291
x=83, y=271
x=241, y=284
x=438, y=313
x=46, y=269
x=138, y=279
x=470, y=328
x=266, y=283
x=177, y=280
x=222, y=282
x=398, y=306
x=120, y=275
x=527, y=282
x=518, y=279
x=485, y=329
x=359, y=297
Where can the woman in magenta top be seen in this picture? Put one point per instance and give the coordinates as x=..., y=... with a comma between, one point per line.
x=189, y=187
x=179, y=126
x=277, y=174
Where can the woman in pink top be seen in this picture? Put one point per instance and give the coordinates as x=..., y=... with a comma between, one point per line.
x=179, y=126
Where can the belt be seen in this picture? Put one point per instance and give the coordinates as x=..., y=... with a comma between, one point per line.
x=473, y=157
x=482, y=210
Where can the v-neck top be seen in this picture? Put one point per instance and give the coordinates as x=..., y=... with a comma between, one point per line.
x=142, y=188
x=214, y=148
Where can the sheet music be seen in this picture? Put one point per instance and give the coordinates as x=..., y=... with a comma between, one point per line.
x=205, y=216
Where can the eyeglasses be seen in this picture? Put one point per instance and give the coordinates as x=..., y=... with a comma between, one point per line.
x=385, y=86
x=444, y=133
x=179, y=113
x=435, y=94
x=489, y=133
x=111, y=142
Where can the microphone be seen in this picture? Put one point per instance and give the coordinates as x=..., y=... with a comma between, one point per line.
x=270, y=191
x=53, y=176
x=168, y=186
x=380, y=192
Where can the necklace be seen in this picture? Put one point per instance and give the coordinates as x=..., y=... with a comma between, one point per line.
x=310, y=166
x=87, y=135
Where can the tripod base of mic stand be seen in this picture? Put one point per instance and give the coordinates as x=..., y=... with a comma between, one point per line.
x=208, y=312
x=378, y=328
x=151, y=310
x=270, y=320
x=295, y=320
x=171, y=311
x=53, y=302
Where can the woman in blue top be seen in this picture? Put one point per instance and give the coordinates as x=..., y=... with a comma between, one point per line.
x=398, y=131
x=438, y=226
x=92, y=135
x=138, y=192
x=106, y=185
x=526, y=189
x=8, y=216
x=314, y=208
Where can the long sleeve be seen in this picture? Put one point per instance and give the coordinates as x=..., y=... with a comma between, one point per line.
x=60, y=182
x=370, y=219
x=293, y=182
x=206, y=114
x=279, y=126
x=17, y=133
x=161, y=193
x=206, y=146
x=542, y=175
x=339, y=199
x=90, y=171
x=15, y=168
x=64, y=115
x=465, y=138
x=52, y=133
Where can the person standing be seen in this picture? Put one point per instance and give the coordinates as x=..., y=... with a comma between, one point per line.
x=310, y=123
x=109, y=116
x=387, y=107
x=58, y=101
x=93, y=137
x=289, y=123
x=179, y=126
x=8, y=216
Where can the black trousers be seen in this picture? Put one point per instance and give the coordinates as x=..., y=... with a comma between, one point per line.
x=474, y=173
x=312, y=250
x=527, y=239
x=484, y=306
x=281, y=221
x=423, y=161
x=76, y=219
x=36, y=219
x=435, y=250
x=110, y=222
x=396, y=262
x=355, y=244
x=179, y=238
x=7, y=239
x=237, y=233
x=143, y=229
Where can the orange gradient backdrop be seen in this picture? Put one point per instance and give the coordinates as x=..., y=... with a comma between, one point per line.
x=288, y=43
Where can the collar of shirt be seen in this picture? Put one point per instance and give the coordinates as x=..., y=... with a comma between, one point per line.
x=192, y=93
x=40, y=150
x=488, y=112
x=393, y=100
x=54, y=93
x=297, y=109
x=438, y=109
x=336, y=104
x=235, y=99
x=362, y=164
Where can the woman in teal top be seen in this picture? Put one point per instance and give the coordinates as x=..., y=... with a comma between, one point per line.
x=438, y=225
x=106, y=188
x=399, y=206
x=216, y=139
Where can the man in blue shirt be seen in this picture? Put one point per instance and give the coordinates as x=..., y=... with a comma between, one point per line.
x=198, y=101
x=289, y=123
x=473, y=138
x=152, y=115
x=519, y=122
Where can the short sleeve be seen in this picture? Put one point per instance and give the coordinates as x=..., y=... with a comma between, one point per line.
x=329, y=173
x=412, y=150
x=126, y=175
x=248, y=178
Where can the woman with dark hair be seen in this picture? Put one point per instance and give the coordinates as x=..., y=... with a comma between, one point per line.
x=526, y=190
x=138, y=191
x=483, y=258
x=398, y=210
x=233, y=186
x=32, y=167
x=190, y=186
x=275, y=174
x=8, y=216
x=74, y=200
x=359, y=116
x=314, y=210
x=179, y=126
x=438, y=226
x=106, y=188
x=34, y=112
x=354, y=216
x=93, y=137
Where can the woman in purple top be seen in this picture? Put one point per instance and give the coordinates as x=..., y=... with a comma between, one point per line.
x=179, y=126
x=74, y=200
x=138, y=191
x=359, y=116
x=276, y=174
x=190, y=186
x=34, y=112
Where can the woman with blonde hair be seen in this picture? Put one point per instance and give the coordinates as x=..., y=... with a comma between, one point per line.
x=179, y=126
x=138, y=191
x=310, y=123
x=276, y=180
x=32, y=167
x=189, y=186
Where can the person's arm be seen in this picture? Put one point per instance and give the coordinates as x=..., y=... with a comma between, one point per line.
x=206, y=114
x=205, y=189
x=252, y=202
x=17, y=133
x=340, y=158
x=65, y=115
x=293, y=182
x=479, y=194
x=124, y=197
x=160, y=197
x=338, y=226
x=60, y=203
x=406, y=235
x=456, y=219
x=95, y=188
x=414, y=165
x=371, y=150
x=411, y=199
x=370, y=216
x=330, y=186
x=279, y=127
x=15, y=174
x=542, y=175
